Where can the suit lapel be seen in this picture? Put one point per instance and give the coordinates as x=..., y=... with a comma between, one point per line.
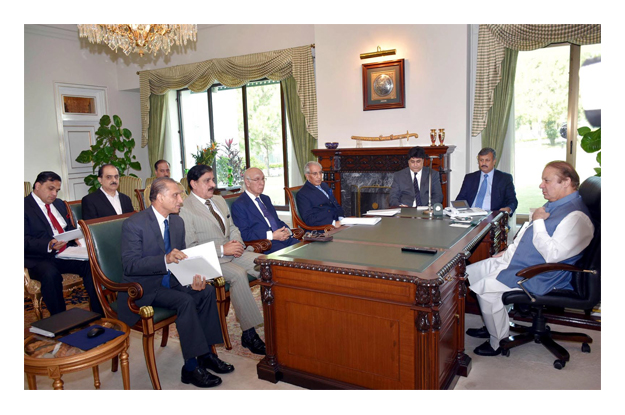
x=203, y=211
x=251, y=206
x=156, y=229
x=39, y=214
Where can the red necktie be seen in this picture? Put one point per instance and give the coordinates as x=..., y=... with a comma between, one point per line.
x=56, y=224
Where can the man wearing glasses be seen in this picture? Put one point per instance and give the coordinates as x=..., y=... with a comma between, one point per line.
x=255, y=216
x=315, y=201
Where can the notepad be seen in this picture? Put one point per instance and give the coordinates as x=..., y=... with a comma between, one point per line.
x=383, y=212
x=360, y=221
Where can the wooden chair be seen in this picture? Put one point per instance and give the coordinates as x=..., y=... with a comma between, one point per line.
x=296, y=219
x=140, y=196
x=185, y=184
x=27, y=188
x=32, y=288
x=149, y=181
x=103, y=238
x=127, y=186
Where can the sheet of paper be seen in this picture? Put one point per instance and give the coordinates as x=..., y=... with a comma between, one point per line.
x=360, y=221
x=69, y=235
x=202, y=260
x=383, y=212
x=74, y=253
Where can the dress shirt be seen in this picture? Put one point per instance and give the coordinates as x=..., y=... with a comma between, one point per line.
x=270, y=232
x=489, y=187
x=216, y=210
x=412, y=176
x=114, y=200
x=56, y=214
x=161, y=224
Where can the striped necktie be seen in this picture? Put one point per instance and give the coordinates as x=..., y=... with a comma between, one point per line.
x=216, y=215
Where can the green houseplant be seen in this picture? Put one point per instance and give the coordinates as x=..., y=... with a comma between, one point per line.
x=591, y=142
x=113, y=145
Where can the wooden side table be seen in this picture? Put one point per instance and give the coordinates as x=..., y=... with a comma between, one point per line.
x=74, y=359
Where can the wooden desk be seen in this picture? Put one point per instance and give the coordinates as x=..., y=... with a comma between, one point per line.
x=358, y=312
x=55, y=367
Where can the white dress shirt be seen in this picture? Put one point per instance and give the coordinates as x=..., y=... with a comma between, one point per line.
x=161, y=224
x=114, y=200
x=418, y=174
x=269, y=232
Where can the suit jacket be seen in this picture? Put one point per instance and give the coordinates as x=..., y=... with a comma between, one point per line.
x=97, y=205
x=38, y=232
x=143, y=257
x=315, y=208
x=402, y=189
x=252, y=223
x=502, y=192
x=202, y=227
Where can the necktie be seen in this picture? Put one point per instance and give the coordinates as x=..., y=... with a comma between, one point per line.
x=417, y=193
x=322, y=191
x=482, y=192
x=270, y=218
x=216, y=215
x=167, y=241
x=56, y=225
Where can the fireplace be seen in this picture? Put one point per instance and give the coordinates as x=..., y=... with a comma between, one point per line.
x=362, y=177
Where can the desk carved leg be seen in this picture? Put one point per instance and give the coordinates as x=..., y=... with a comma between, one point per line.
x=267, y=368
x=123, y=357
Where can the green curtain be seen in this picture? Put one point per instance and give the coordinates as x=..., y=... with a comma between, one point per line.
x=156, y=129
x=494, y=133
x=303, y=142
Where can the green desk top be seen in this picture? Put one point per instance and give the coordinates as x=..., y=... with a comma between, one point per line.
x=435, y=233
x=378, y=256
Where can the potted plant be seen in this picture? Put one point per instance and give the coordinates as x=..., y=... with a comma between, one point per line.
x=113, y=145
x=206, y=155
x=591, y=142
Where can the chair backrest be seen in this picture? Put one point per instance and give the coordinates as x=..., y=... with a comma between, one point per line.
x=230, y=199
x=588, y=286
x=185, y=183
x=149, y=181
x=295, y=218
x=127, y=186
x=140, y=196
x=27, y=188
x=74, y=208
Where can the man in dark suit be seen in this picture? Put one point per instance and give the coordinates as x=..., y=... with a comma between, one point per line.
x=45, y=217
x=411, y=186
x=106, y=201
x=151, y=239
x=488, y=188
x=315, y=201
x=255, y=216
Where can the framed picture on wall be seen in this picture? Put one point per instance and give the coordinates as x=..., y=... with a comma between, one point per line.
x=383, y=85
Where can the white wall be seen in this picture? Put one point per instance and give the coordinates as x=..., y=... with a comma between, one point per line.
x=52, y=56
x=436, y=81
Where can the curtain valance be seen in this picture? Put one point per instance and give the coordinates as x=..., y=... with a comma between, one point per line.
x=493, y=39
x=235, y=72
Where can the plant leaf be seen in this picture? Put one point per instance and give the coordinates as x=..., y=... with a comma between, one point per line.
x=591, y=141
x=84, y=156
x=583, y=131
x=117, y=121
x=105, y=120
x=135, y=165
x=598, y=170
x=126, y=133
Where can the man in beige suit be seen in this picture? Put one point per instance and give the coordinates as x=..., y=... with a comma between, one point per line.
x=207, y=218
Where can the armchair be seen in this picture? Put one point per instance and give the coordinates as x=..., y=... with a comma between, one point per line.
x=127, y=186
x=586, y=293
x=296, y=219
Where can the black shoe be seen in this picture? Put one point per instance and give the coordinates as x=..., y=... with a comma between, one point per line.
x=485, y=349
x=200, y=377
x=480, y=333
x=212, y=362
x=255, y=344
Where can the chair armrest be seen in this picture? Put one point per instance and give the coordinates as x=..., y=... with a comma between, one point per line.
x=531, y=272
x=259, y=245
x=134, y=290
x=298, y=233
x=324, y=228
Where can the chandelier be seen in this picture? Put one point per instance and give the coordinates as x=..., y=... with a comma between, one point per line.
x=140, y=38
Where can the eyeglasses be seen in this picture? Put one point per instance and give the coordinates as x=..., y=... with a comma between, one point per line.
x=255, y=180
x=317, y=173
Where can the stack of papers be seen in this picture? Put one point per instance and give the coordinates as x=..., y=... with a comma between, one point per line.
x=383, y=212
x=201, y=259
x=77, y=253
x=360, y=221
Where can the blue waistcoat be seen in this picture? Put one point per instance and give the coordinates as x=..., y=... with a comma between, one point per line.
x=527, y=255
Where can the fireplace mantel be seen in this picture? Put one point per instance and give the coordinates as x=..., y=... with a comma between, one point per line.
x=379, y=160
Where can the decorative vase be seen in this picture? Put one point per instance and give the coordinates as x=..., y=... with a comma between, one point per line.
x=433, y=136
x=441, y=136
x=230, y=177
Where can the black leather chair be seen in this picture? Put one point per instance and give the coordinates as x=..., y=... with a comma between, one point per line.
x=586, y=293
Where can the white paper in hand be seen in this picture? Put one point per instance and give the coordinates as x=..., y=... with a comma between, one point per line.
x=202, y=260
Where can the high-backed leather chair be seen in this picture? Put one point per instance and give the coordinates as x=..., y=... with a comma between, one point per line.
x=127, y=186
x=74, y=207
x=27, y=188
x=295, y=217
x=586, y=293
x=103, y=237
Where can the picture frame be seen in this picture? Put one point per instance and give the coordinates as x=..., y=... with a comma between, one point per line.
x=383, y=85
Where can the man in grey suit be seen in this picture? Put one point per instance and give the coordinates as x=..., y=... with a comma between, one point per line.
x=207, y=218
x=151, y=239
x=410, y=186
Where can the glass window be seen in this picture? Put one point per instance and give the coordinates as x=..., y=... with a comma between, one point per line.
x=194, y=124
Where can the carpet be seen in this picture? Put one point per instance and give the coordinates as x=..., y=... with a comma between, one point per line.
x=79, y=298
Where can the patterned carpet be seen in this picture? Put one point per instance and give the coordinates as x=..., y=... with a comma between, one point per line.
x=79, y=299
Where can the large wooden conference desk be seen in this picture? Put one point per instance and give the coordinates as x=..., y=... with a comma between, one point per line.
x=357, y=312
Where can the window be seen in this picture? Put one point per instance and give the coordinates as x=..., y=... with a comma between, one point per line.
x=249, y=126
x=541, y=101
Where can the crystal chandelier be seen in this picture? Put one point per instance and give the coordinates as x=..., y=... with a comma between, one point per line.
x=139, y=38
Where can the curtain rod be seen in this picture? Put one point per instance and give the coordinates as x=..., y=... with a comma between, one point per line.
x=311, y=46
